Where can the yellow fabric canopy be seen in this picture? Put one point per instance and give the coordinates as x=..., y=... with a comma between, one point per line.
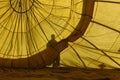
x=87, y=32
x=26, y=25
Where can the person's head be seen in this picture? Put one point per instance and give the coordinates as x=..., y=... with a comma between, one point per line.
x=52, y=36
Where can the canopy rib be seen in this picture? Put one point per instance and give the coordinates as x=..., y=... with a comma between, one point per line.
x=78, y=55
x=105, y=26
x=101, y=51
x=105, y=1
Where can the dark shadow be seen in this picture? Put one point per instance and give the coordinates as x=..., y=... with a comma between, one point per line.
x=51, y=43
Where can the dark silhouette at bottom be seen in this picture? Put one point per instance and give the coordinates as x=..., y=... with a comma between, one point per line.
x=51, y=43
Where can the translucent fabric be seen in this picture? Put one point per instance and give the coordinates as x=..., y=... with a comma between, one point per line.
x=26, y=25
x=101, y=42
x=87, y=32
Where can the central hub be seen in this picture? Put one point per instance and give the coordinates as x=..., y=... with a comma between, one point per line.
x=21, y=6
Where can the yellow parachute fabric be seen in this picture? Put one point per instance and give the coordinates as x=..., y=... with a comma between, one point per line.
x=26, y=25
x=87, y=32
x=101, y=42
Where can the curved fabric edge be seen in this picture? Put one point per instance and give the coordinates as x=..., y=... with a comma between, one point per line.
x=47, y=56
x=87, y=13
x=39, y=60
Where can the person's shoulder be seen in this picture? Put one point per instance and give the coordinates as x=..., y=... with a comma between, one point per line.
x=49, y=41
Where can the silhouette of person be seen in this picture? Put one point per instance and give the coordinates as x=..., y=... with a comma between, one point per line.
x=51, y=43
